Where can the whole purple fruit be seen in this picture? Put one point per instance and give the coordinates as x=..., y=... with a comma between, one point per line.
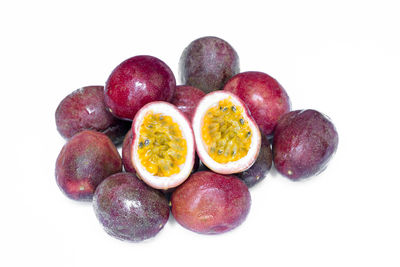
x=186, y=99
x=135, y=82
x=208, y=63
x=259, y=170
x=211, y=203
x=84, y=109
x=304, y=142
x=84, y=162
x=266, y=99
x=129, y=209
x=126, y=153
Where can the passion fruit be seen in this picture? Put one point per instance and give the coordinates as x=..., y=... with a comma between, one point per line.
x=304, y=142
x=128, y=209
x=261, y=167
x=263, y=95
x=135, y=82
x=84, y=109
x=162, y=149
x=210, y=203
x=186, y=99
x=208, y=63
x=227, y=138
x=126, y=153
x=85, y=160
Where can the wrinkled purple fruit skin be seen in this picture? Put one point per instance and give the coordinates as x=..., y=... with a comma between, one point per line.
x=208, y=63
x=304, y=142
x=84, y=162
x=135, y=82
x=128, y=209
x=84, y=109
x=261, y=167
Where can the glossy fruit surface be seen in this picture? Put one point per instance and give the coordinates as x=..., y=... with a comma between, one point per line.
x=263, y=95
x=84, y=109
x=84, y=161
x=162, y=149
x=186, y=99
x=208, y=63
x=304, y=142
x=227, y=138
x=210, y=203
x=135, y=82
x=128, y=209
x=261, y=167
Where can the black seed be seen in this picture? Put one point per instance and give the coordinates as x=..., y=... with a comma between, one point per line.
x=248, y=134
x=220, y=152
x=141, y=145
x=241, y=121
x=233, y=108
x=233, y=152
x=220, y=107
x=161, y=118
x=225, y=109
x=150, y=126
x=146, y=142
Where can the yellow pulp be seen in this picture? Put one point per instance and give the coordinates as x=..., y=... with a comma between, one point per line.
x=225, y=132
x=162, y=147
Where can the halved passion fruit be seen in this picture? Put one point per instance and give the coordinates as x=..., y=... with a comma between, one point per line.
x=227, y=138
x=162, y=147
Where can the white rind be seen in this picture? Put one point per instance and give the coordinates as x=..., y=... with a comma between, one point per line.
x=185, y=127
x=240, y=165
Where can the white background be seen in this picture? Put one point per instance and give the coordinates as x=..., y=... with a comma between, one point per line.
x=339, y=57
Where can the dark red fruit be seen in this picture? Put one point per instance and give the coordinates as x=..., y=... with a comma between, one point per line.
x=128, y=209
x=136, y=82
x=186, y=99
x=84, y=109
x=304, y=142
x=210, y=203
x=84, y=161
x=208, y=63
x=261, y=167
x=126, y=153
x=263, y=95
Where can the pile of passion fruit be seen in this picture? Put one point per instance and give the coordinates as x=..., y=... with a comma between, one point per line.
x=194, y=149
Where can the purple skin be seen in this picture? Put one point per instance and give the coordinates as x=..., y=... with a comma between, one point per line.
x=263, y=95
x=84, y=162
x=126, y=153
x=186, y=99
x=135, y=82
x=84, y=109
x=211, y=203
x=261, y=167
x=208, y=63
x=304, y=142
x=128, y=209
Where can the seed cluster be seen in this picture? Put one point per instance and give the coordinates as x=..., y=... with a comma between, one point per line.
x=225, y=132
x=162, y=148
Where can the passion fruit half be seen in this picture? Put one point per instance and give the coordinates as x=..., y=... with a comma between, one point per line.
x=162, y=149
x=227, y=137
